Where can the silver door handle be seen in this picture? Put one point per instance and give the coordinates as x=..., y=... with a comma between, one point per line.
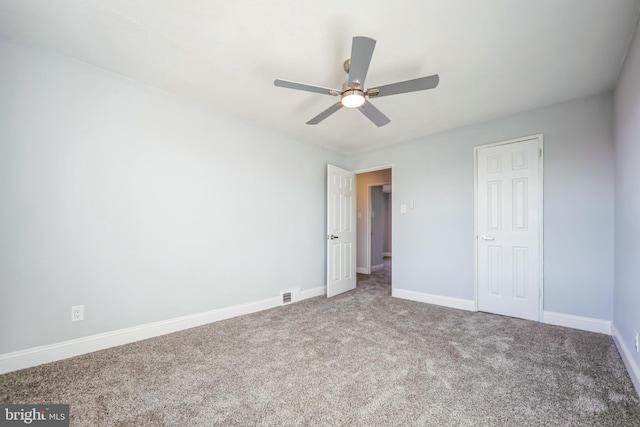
x=485, y=238
x=332, y=237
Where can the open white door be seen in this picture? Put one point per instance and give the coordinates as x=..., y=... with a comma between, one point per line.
x=341, y=230
x=509, y=228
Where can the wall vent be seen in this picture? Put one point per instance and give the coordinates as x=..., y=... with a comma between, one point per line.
x=286, y=297
x=289, y=296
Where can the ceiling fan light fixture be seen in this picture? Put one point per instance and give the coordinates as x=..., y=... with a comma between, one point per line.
x=352, y=98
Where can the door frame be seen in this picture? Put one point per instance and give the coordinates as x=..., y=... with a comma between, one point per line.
x=476, y=148
x=368, y=213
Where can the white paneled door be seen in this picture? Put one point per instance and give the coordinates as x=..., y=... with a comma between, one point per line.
x=508, y=228
x=341, y=230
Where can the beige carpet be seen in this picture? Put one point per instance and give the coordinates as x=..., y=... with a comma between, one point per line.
x=359, y=359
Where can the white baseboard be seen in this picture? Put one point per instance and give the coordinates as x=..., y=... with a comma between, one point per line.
x=312, y=293
x=361, y=270
x=627, y=358
x=577, y=322
x=63, y=350
x=377, y=267
x=462, y=304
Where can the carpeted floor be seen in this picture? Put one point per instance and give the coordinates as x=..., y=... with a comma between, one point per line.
x=361, y=358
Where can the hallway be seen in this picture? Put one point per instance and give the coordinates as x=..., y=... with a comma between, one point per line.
x=380, y=279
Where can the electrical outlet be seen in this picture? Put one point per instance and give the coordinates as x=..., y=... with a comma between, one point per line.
x=77, y=313
x=638, y=341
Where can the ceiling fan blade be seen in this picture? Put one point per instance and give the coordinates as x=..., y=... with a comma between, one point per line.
x=326, y=113
x=361, y=53
x=374, y=114
x=303, y=86
x=422, y=83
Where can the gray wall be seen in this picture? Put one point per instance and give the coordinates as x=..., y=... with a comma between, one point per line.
x=388, y=204
x=141, y=205
x=378, y=225
x=627, y=201
x=433, y=248
x=144, y=206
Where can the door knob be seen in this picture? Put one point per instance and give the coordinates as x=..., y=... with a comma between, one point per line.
x=332, y=237
x=485, y=238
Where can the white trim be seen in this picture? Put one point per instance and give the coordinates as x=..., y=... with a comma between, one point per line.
x=377, y=267
x=540, y=139
x=577, y=322
x=374, y=169
x=314, y=292
x=50, y=353
x=459, y=303
x=362, y=270
x=541, y=225
x=627, y=358
x=475, y=228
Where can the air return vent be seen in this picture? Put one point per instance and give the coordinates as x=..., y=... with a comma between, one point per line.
x=286, y=297
x=289, y=296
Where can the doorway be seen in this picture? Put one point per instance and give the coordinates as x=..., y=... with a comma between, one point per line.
x=374, y=220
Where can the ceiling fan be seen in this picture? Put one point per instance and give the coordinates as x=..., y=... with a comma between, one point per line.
x=353, y=93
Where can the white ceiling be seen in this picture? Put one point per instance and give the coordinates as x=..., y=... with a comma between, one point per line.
x=494, y=57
